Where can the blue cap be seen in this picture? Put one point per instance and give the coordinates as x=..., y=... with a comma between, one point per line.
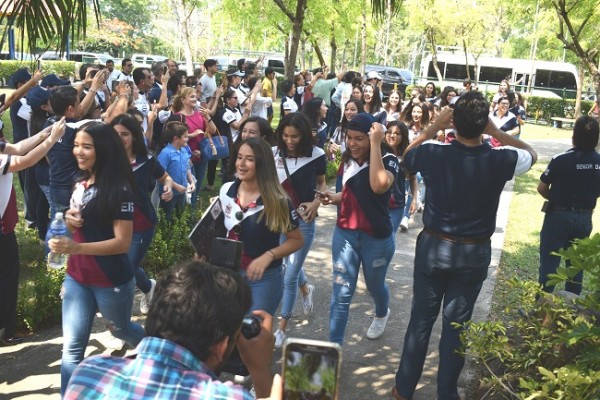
x=22, y=75
x=361, y=122
x=37, y=96
x=53, y=80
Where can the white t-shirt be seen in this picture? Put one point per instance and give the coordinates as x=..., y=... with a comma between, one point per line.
x=261, y=103
x=209, y=87
x=230, y=116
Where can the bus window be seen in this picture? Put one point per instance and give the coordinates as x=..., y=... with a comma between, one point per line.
x=459, y=72
x=555, y=79
x=494, y=74
x=431, y=71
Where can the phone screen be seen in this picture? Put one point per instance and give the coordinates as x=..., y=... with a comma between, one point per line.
x=310, y=371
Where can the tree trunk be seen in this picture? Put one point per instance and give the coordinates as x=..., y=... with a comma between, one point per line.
x=318, y=52
x=364, y=38
x=333, y=48
x=297, y=21
x=182, y=15
x=466, y=58
x=436, y=67
x=580, y=71
x=303, y=53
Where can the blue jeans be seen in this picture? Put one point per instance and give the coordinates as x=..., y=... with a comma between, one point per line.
x=80, y=303
x=409, y=194
x=559, y=230
x=294, y=276
x=60, y=199
x=267, y=291
x=350, y=249
x=396, y=215
x=448, y=272
x=137, y=251
x=199, y=170
x=177, y=202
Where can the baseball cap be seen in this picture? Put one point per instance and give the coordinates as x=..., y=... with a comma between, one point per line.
x=21, y=75
x=237, y=73
x=373, y=75
x=53, y=80
x=37, y=96
x=361, y=122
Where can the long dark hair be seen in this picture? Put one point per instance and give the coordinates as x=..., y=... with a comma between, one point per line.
x=312, y=109
x=137, y=146
x=112, y=170
x=375, y=105
x=403, y=142
x=301, y=122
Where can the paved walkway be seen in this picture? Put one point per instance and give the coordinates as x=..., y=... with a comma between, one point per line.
x=31, y=370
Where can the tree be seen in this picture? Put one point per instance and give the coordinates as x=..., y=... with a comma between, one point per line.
x=578, y=22
x=297, y=20
x=46, y=21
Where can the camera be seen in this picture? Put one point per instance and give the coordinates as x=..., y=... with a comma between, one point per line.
x=251, y=326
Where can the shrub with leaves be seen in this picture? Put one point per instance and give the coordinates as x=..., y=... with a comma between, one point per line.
x=171, y=244
x=548, y=347
x=39, y=302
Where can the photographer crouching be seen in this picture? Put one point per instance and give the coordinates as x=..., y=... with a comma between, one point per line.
x=194, y=323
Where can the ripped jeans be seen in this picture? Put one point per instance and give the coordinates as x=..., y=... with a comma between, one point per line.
x=80, y=303
x=350, y=249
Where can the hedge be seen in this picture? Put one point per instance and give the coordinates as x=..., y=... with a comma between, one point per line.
x=64, y=69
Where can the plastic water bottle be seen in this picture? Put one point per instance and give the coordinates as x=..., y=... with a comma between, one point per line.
x=58, y=229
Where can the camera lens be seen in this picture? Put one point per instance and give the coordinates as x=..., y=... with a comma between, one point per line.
x=250, y=326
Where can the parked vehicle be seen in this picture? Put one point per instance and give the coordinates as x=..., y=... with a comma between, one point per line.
x=544, y=78
x=392, y=76
x=146, y=60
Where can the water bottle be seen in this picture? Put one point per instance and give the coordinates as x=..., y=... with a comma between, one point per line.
x=58, y=229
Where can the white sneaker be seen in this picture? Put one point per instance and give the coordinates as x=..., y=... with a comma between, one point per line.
x=279, y=338
x=404, y=224
x=377, y=326
x=147, y=298
x=307, y=301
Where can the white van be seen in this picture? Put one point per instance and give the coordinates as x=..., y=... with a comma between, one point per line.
x=146, y=60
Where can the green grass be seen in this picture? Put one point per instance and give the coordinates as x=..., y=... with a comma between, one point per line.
x=520, y=254
x=539, y=131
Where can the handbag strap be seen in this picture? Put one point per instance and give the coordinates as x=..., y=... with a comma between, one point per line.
x=293, y=195
x=218, y=134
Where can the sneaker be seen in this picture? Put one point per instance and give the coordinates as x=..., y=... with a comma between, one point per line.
x=377, y=326
x=404, y=224
x=307, y=301
x=147, y=298
x=279, y=338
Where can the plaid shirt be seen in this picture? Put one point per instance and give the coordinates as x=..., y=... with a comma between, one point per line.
x=161, y=370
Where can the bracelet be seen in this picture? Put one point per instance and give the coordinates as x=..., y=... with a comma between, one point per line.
x=271, y=253
x=123, y=94
x=92, y=90
x=209, y=120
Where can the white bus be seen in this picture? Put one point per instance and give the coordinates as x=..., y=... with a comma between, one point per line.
x=546, y=78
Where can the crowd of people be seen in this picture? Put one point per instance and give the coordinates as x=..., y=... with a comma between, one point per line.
x=119, y=145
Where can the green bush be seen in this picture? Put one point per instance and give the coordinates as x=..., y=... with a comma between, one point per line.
x=65, y=69
x=39, y=302
x=171, y=244
x=550, y=347
x=332, y=167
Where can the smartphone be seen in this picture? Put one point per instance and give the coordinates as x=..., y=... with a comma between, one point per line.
x=311, y=369
x=319, y=193
x=39, y=65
